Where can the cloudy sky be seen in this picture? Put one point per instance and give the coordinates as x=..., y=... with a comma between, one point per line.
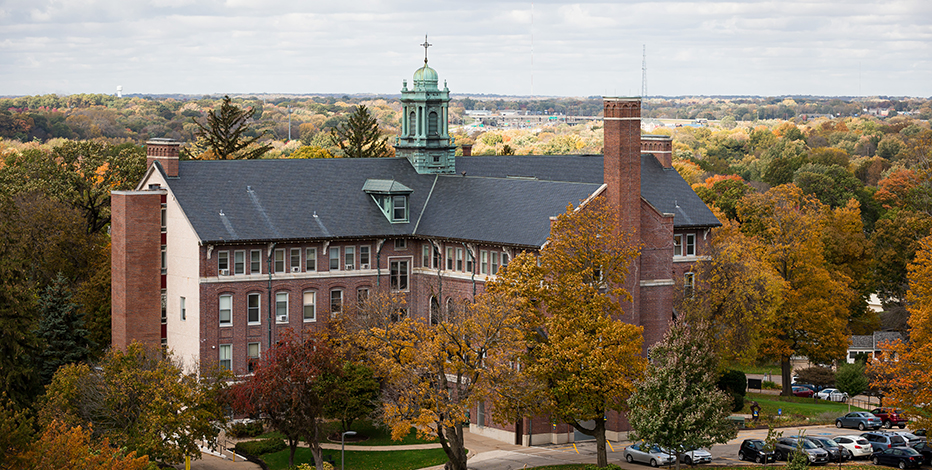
x=743, y=47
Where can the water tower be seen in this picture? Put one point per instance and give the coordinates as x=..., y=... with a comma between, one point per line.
x=119, y=91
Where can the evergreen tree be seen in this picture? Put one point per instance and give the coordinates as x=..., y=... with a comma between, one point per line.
x=224, y=137
x=61, y=328
x=678, y=406
x=360, y=137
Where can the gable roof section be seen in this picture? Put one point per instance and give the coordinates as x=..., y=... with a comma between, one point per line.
x=663, y=188
x=297, y=199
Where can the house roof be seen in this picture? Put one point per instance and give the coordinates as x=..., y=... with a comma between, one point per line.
x=501, y=200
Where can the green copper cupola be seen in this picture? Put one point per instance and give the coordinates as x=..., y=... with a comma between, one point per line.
x=425, y=133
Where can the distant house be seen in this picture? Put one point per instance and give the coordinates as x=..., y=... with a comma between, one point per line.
x=871, y=344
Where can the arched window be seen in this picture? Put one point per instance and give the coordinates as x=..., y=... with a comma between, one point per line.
x=434, y=310
x=412, y=123
x=432, y=122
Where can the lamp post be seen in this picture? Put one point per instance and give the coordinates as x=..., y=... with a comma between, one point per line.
x=343, y=448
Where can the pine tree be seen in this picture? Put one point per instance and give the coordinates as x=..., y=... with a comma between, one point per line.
x=224, y=135
x=61, y=328
x=360, y=137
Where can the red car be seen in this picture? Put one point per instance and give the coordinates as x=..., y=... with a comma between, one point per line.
x=891, y=417
x=802, y=392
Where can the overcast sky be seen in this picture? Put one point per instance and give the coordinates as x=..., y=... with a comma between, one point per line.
x=745, y=47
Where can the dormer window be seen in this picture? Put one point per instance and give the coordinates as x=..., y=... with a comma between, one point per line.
x=391, y=197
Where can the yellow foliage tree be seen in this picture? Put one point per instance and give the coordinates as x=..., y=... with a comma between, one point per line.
x=581, y=358
x=65, y=448
x=904, y=371
x=433, y=373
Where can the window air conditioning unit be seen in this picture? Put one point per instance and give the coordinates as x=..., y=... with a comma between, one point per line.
x=282, y=318
x=295, y=269
x=349, y=267
x=224, y=272
x=364, y=266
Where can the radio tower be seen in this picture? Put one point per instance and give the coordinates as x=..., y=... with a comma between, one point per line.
x=644, y=80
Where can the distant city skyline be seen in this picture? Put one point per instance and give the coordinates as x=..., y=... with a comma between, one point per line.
x=548, y=48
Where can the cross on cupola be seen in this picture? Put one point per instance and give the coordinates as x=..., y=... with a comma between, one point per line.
x=425, y=46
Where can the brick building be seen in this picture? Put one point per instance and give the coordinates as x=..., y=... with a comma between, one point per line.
x=215, y=258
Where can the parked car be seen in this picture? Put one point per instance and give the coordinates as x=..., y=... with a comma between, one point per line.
x=836, y=453
x=802, y=392
x=911, y=439
x=881, y=440
x=902, y=457
x=756, y=450
x=696, y=456
x=858, y=419
x=639, y=452
x=832, y=394
x=926, y=451
x=786, y=446
x=857, y=446
x=891, y=417
x=814, y=388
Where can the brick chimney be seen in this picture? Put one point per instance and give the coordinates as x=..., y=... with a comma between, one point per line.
x=467, y=150
x=165, y=151
x=622, y=160
x=660, y=146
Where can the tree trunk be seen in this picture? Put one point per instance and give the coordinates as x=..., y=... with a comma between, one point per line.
x=786, y=375
x=292, y=446
x=314, y=444
x=451, y=439
x=599, y=433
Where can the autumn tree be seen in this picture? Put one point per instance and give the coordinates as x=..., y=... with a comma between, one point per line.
x=677, y=406
x=584, y=358
x=904, y=370
x=433, y=373
x=140, y=399
x=355, y=394
x=814, y=308
x=895, y=242
x=289, y=390
x=723, y=192
x=738, y=290
x=226, y=135
x=360, y=136
x=61, y=447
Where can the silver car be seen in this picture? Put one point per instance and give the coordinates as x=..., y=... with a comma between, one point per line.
x=640, y=452
x=832, y=394
x=857, y=446
x=696, y=456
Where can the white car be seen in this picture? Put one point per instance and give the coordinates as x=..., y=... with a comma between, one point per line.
x=640, y=452
x=857, y=446
x=832, y=394
x=696, y=456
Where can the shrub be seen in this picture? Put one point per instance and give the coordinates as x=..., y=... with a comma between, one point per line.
x=263, y=446
x=239, y=430
x=737, y=401
x=610, y=466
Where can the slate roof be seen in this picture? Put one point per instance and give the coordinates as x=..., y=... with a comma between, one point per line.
x=299, y=199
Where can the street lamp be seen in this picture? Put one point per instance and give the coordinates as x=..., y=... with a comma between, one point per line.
x=343, y=448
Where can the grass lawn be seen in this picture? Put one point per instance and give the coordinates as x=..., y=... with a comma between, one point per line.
x=377, y=436
x=796, y=410
x=772, y=369
x=360, y=460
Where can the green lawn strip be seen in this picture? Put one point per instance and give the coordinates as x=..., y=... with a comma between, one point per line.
x=363, y=460
x=822, y=410
x=377, y=436
x=772, y=369
x=569, y=466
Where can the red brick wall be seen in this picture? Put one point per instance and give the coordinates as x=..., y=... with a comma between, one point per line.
x=660, y=146
x=656, y=306
x=166, y=153
x=136, y=307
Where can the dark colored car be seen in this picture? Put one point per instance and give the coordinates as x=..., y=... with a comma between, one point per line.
x=802, y=392
x=756, y=450
x=903, y=457
x=926, y=451
x=858, y=419
x=891, y=417
x=884, y=440
x=836, y=453
x=786, y=446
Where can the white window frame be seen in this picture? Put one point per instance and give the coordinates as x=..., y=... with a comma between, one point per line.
x=425, y=255
x=254, y=345
x=395, y=282
x=349, y=256
x=689, y=248
x=184, y=312
x=229, y=310
x=223, y=260
x=483, y=262
x=255, y=262
x=470, y=261
x=678, y=244
x=459, y=259
x=225, y=356
x=239, y=267
x=313, y=305
x=450, y=259
x=295, y=255
x=257, y=309
x=493, y=263
x=689, y=283
x=401, y=244
x=365, y=256
x=339, y=305
x=278, y=264
x=280, y=306
x=334, y=256
x=163, y=250
x=399, y=208
x=310, y=259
